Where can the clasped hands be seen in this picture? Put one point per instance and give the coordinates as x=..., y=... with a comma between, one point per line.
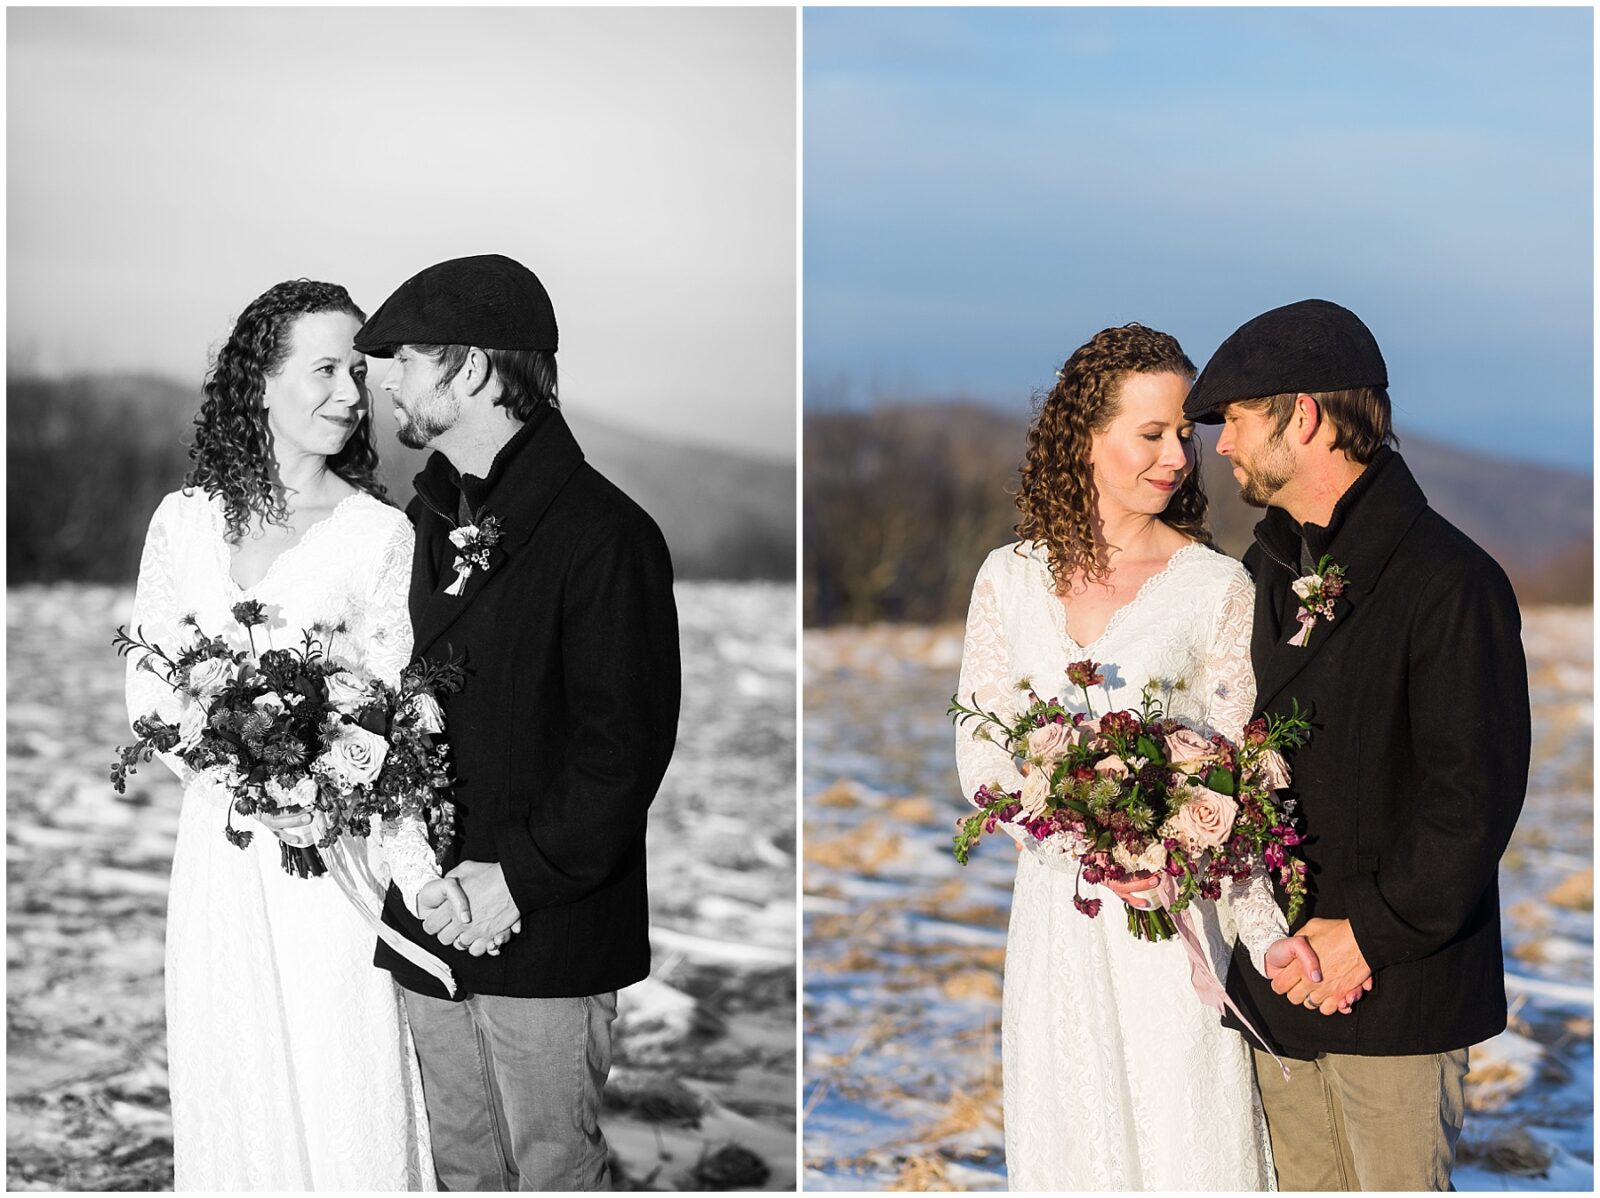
x=1320, y=968
x=470, y=908
x=1343, y=977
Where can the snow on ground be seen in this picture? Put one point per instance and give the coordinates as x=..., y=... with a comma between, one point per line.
x=702, y=1092
x=904, y=949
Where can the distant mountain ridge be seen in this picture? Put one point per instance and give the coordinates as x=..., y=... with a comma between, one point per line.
x=953, y=466
x=119, y=441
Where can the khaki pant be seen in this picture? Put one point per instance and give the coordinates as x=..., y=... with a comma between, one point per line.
x=1364, y=1123
x=513, y=1088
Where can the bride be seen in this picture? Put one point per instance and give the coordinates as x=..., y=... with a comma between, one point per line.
x=1116, y=1077
x=290, y=1064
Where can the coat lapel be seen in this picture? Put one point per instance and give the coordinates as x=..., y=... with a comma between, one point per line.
x=1382, y=506
x=1284, y=661
x=540, y=461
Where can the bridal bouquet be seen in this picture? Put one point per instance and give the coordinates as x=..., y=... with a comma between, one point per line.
x=292, y=729
x=1135, y=791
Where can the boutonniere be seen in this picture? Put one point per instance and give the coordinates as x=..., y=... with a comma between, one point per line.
x=1316, y=592
x=474, y=542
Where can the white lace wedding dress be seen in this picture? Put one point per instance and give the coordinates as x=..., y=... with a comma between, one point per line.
x=1116, y=1077
x=289, y=1060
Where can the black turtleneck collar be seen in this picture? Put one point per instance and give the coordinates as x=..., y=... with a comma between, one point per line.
x=444, y=488
x=476, y=490
x=1319, y=536
x=1363, y=529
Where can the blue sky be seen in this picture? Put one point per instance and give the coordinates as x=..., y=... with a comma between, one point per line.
x=984, y=189
x=167, y=165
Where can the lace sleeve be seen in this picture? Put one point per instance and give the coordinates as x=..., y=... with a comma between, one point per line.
x=985, y=683
x=388, y=618
x=1230, y=697
x=155, y=620
x=407, y=856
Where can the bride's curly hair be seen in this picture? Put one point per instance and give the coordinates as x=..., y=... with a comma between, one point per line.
x=232, y=450
x=1057, y=497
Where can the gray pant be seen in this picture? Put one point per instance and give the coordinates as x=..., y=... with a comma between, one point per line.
x=1364, y=1123
x=513, y=1088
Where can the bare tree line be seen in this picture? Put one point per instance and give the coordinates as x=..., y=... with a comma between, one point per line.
x=90, y=457
x=903, y=501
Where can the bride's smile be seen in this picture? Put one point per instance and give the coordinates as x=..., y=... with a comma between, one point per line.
x=316, y=398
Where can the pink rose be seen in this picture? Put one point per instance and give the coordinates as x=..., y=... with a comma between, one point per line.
x=1205, y=821
x=429, y=715
x=1112, y=766
x=269, y=704
x=1050, y=742
x=1153, y=859
x=191, y=725
x=354, y=756
x=1188, y=750
x=1036, y=793
x=348, y=691
x=302, y=794
x=210, y=675
x=1274, y=770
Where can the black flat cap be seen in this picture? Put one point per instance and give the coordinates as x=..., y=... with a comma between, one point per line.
x=1308, y=346
x=489, y=301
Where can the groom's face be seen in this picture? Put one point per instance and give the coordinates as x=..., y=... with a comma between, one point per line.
x=1262, y=461
x=424, y=406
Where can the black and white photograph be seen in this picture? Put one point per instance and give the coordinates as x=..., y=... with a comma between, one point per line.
x=1197, y=755
x=401, y=603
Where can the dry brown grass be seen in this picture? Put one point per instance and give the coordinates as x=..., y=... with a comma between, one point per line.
x=1490, y=1084
x=1530, y=915
x=967, y=1110
x=978, y=916
x=843, y=793
x=917, y=809
x=972, y=983
x=853, y=960
x=1575, y=891
x=1510, y=1149
x=920, y=1174
x=862, y=851
x=1531, y=951
x=989, y=958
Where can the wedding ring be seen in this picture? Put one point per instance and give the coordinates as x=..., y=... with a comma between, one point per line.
x=1310, y=1006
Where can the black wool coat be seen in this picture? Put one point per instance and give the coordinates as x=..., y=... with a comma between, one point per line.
x=562, y=733
x=1415, y=771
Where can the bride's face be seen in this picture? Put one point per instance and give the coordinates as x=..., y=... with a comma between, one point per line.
x=1141, y=459
x=318, y=397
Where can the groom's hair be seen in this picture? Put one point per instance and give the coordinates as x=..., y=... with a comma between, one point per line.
x=1359, y=415
x=527, y=376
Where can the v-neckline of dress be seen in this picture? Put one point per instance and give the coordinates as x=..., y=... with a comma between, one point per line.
x=1060, y=608
x=310, y=534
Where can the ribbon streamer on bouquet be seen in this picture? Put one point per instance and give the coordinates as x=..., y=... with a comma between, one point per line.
x=343, y=871
x=1201, y=975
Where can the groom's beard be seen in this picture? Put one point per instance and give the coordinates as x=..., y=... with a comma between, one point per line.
x=1266, y=476
x=436, y=413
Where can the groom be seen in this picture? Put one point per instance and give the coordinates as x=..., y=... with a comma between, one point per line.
x=555, y=591
x=1410, y=661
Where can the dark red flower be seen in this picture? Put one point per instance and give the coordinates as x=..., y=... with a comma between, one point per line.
x=1085, y=674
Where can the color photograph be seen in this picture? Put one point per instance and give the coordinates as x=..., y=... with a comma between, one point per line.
x=410, y=394
x=1197, y=597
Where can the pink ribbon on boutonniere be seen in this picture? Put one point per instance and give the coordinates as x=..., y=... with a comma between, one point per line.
x=1201, y=976
x=1316, y=592
x=474, y=541
x=1307, y=623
